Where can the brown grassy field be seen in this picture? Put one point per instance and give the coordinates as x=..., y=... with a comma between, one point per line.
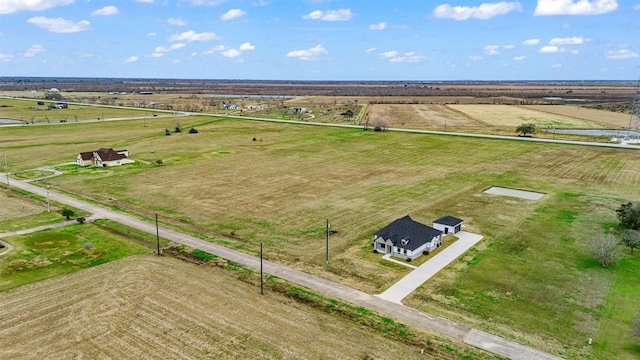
x=13, y=206
x=146, y=307
x=280, y=189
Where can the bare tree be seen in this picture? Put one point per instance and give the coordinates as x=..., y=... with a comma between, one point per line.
x=606, y=248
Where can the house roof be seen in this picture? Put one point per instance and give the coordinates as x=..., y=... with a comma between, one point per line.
x=448, y=220
x=406, y=228
x=109, y=155
x=87, y=155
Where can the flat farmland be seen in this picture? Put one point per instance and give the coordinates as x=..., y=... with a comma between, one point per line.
x=29, y=111
x=421, y=117
x=281, y=188
x=613, y=119
x=146, y=307
x=512, y=116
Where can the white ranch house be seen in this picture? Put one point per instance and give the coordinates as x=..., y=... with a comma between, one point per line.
x=407, y=239
x=103, y=158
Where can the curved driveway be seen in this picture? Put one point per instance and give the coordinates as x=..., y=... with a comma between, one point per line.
x=477, y=338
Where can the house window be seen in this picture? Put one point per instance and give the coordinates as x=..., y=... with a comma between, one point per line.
x=382, y=246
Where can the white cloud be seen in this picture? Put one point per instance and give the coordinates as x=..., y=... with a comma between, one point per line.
x=12, y=6
x=330, y=15
x=203, y=2
x=161, y=50
x=572, y=7
x=259, y=3
x=390, y=54
x=5, y=57
x=232, y=14
x=621, y=54
x=247, y=46
x=575, y=52
x=312, y=54
x=191, y=36
x=556, y=65
x=476, y=58
x=213, y=50
x=508, y=47
x=152, y=34
x=548, y=49
x=519, y=58
x=483, y=12
x=568, y=41
x=370, y=50
x=491, y=49
x=530, y=42
x=177, y=21
x=33, y=50
x=408, y=57
x=106, y=11
x=145, y=1
x=59, y=25
x=132, y=59
x=378, y=26
x=637, y=7
x=231, y=53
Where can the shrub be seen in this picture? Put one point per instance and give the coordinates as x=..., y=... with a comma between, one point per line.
x=193, y=131
x=81, y=220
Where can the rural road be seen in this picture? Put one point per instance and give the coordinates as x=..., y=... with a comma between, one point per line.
x=436, y=324
x=169, y=113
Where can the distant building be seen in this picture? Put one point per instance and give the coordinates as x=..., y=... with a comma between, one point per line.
x=54, y=90
x=103, y=158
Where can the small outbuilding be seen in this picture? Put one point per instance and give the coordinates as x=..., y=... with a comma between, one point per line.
x=407, y=239
x=449, y=225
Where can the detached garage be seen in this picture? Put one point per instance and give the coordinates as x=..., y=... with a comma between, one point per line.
x=449, y=225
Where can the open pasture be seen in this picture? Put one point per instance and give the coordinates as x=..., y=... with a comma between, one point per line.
x=30, y=112
x=512, y=116
x=613, y=119
x=280, y=189
x=146, y=307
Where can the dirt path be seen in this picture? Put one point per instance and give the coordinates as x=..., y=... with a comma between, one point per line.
x=480, y=339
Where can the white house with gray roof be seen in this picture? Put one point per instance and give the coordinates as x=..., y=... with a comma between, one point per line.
x=407, y=239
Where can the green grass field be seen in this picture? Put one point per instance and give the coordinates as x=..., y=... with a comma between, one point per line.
x=531, y=279
x=50, y=253
x=30, y=112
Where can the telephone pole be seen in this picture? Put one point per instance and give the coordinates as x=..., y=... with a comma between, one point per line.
x=327, y=245
x=261, y=278
x=48, y=201
x=157, y=234
x=6, y=168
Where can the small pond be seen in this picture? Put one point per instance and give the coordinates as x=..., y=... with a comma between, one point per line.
x=614, y=133
x=522, y=194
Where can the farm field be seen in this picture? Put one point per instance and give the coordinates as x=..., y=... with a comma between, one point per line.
x=146, y=307
x=279, y=190
x=512, y=116
x=50, y=253
x=30, y=112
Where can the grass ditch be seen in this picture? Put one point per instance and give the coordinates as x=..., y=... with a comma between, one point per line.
x=438, y=347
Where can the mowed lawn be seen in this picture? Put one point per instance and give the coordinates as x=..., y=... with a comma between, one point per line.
x=531, y=279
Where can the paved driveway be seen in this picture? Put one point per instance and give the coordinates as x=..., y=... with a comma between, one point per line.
x=424, y=272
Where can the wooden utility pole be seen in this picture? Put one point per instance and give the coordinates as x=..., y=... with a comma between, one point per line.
x=48, y=201
x=261, y=278
x=157, y=234
x=327, y=245
x=6, y=168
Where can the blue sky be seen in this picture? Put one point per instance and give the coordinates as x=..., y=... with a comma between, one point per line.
x=322, y=39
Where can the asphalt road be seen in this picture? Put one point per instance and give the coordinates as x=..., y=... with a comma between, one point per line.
x=477, y=338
